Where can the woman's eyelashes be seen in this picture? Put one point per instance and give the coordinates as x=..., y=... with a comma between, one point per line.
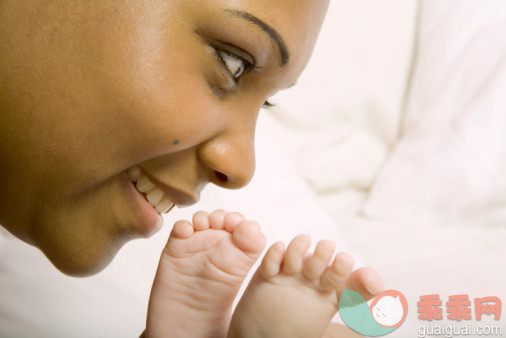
x=267, y=104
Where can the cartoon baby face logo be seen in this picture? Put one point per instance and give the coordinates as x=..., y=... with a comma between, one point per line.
x=386, y=312
x=389, y=308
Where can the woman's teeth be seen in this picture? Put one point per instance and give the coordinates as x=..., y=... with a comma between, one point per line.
x=154, y=195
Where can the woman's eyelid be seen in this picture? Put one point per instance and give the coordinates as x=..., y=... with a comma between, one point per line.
x=221, y=46
x=235, y=51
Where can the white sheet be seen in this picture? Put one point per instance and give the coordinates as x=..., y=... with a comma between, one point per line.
x=338, y=124
x=451, y=160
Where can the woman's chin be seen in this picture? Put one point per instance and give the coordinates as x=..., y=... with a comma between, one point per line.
x=81, y=269
x=79, y=261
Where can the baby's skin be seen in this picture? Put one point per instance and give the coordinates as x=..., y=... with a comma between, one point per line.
x=200, y=272
x=292, y=294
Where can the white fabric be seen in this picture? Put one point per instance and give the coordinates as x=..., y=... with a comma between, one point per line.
x=451, y=160
x=340, y=120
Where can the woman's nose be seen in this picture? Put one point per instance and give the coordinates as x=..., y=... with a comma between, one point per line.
x=229, y=159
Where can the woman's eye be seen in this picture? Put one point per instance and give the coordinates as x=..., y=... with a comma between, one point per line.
x=234, y=64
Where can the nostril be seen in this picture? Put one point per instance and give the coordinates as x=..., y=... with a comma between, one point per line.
x=221, y=177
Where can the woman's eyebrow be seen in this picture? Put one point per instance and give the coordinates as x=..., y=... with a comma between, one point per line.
x=273, y=34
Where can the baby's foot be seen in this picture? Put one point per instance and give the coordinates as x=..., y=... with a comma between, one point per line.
x=292, y=295
x=200, y=272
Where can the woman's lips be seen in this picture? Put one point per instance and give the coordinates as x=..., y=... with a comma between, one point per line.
x=179, y=197
x=148, y=220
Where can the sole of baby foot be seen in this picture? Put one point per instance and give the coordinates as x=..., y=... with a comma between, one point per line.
x=200, y=272
x=292, y=294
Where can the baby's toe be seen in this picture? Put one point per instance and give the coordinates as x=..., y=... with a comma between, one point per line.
x=315, y=266
x=232, y=219
x=294, y=254
x=201, y=220
x=366, y=281
x=271, y=264
x=182, y=229
x=217, y=218
x=248, y=237
x=336, y=275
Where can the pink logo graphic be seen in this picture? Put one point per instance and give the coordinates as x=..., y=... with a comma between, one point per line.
x=389, y=308
x=458, y=307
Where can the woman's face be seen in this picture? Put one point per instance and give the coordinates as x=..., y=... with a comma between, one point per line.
x=89, y=89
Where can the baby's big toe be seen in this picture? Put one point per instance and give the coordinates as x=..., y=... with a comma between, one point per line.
x=248, y=237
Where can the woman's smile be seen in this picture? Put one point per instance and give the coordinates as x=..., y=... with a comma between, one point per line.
x=153, y=194
x=150, y=220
